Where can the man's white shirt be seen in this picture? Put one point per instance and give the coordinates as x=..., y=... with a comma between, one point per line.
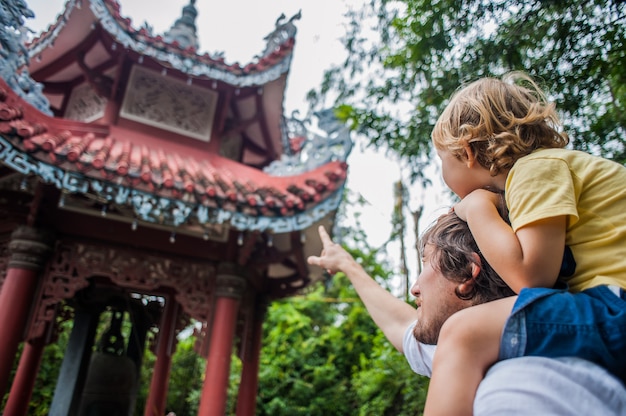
x=534, y=385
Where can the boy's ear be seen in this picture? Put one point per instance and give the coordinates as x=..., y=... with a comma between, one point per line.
x=470, y=155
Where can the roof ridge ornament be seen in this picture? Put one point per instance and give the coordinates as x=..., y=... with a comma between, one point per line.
x=183, y=31
x=281, y=33
x=14, y=54
x=306, y=150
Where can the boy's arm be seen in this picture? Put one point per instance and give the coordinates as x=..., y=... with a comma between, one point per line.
x=390, y=314
x=529, y=258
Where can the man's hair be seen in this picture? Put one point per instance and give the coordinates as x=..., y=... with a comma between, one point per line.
x=454, y=246
x=501, y=120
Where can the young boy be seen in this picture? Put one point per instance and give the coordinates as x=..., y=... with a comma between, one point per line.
x=500, y=135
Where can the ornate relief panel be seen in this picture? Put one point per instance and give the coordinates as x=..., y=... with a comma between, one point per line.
x=85, y=104
x=73, y=263
x=170, y=104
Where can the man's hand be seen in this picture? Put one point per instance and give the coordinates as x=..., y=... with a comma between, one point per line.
x=476, y=200
x=333, y=258
x=391, y=314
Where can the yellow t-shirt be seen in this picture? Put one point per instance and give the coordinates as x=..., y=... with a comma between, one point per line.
x=591, y=192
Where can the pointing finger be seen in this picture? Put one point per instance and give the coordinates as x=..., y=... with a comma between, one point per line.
x=326, y=241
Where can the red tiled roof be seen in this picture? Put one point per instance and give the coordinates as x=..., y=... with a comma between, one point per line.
x=211, y=180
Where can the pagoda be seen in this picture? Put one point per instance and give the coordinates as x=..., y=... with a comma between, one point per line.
x=143, y=181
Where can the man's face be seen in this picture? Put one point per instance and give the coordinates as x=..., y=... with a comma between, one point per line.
x=435, y=299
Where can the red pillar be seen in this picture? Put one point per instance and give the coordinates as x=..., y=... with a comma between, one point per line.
x=29, y=250
x=157, y=396
x=22, y=388
x=215, y=389
x=246, y=400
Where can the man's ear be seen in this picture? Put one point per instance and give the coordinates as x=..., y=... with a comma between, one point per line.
x=470, y=155
x=468, y=286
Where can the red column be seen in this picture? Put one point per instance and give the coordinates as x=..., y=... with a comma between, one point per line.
x=246, y=400
x=22, y=387
x=215, y=389
x=29, y=250
x=157, y=396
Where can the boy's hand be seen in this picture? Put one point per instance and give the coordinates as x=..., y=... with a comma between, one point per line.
x=476, y=200
x=333, y=258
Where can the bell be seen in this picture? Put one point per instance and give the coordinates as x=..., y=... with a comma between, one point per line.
x=111, y=383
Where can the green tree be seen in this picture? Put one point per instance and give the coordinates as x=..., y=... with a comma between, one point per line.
x=406, y=57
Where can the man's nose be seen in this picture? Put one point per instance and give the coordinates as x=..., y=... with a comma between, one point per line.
x=415, y=288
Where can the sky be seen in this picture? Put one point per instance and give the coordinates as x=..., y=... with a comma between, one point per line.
x=237, y=28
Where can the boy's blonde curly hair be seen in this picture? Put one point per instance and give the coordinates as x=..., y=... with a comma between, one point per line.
x=501, y=120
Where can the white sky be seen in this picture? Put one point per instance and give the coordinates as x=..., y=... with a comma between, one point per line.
x=237, y=27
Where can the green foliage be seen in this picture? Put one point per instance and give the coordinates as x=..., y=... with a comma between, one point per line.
x=386, y=385
x=322, y=353
x=392, y=88
x=43, y=391
x=185, y=378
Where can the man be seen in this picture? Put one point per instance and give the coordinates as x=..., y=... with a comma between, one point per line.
x=454, y=277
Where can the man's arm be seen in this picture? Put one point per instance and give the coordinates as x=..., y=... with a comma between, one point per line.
x=391, y=314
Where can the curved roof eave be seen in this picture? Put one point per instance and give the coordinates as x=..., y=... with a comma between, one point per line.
x=79, y=158
x=271, y=66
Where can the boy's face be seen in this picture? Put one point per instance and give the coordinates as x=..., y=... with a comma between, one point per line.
x=435, y=299
x=461, y=176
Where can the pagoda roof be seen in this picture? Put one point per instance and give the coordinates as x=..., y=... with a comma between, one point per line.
x=80, y=17
x=168, y=187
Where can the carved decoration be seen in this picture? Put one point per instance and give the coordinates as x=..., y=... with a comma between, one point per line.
x=85, y=104
x=169, y=104
x=313, y=149
x=62, y=281
x=75, y=262
x=14, y=54
x=282, y=32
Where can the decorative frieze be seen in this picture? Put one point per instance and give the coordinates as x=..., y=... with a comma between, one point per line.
x=75, y=263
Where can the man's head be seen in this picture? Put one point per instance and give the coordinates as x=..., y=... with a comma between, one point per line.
x=455, y=276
